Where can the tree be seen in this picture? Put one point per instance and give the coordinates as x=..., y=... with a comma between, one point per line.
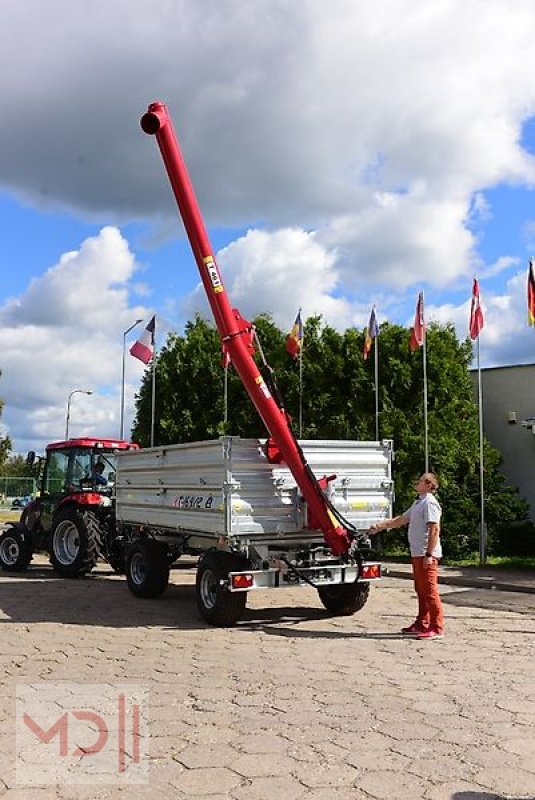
x=339, y=403
x=5, y=441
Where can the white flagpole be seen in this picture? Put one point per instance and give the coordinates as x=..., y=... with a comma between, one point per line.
x=376, y=356
x=483, y=526
x=424, y=355
x=225, y=397
x=301, y=389
x=153, y=404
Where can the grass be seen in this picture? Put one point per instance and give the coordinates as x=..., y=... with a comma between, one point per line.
x=6, y=515
x=493, y=562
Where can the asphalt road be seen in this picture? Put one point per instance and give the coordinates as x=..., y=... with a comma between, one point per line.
x=291, y=702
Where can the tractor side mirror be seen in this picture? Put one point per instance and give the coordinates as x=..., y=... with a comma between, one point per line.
x=30, y=458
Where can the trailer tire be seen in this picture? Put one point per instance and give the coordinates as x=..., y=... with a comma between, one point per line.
x=147, y=569
x=344, y=599
x=15, y=549
x=216, y=604
x=74, y=542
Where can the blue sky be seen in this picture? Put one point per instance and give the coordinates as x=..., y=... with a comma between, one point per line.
x=344, y=155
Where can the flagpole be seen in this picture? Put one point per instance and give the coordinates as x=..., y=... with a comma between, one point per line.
x=225, y=397
x=483, y=527
x=301, y=389
x=426, y=440
x=376, y=356
x=153, y=404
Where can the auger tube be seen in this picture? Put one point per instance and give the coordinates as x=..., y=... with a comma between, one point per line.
x=235, y=332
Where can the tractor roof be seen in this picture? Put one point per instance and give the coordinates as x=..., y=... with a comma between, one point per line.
x=93, y=444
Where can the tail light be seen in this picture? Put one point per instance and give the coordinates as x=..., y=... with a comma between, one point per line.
x=370, y=571
x=242, y=581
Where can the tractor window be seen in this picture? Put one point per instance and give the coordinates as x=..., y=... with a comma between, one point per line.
x=56, y=472
x=80, y=473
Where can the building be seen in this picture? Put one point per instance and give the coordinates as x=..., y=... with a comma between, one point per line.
x=509, y=422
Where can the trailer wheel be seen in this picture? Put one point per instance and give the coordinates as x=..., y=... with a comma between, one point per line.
x=15, y=549
x=216, y=604
x=344, y=599
x=147, y=569
x=74, y=542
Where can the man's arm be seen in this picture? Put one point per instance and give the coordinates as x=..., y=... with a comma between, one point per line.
x=433, y=530
x=386, y=524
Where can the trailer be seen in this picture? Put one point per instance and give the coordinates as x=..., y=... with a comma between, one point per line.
x=247, y=520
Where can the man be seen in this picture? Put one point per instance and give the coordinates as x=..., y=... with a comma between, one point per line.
x=99, y=478
x=423, y=519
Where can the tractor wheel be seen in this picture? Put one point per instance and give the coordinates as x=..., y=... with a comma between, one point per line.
x=216, y=604
x=74, y=542
x=344, y=599
x=15, y=549
x=147, y=568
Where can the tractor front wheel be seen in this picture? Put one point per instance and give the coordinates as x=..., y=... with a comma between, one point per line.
x=15, y=549
x=74, y=542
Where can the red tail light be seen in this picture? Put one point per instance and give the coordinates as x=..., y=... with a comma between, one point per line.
x=370, y=571
x=242, y=581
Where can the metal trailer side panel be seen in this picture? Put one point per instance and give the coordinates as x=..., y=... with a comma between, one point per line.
x=227, y=487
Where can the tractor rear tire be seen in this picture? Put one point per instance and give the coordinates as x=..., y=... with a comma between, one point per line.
x=344, y=599
x=15, y=549
x=216, y=604
x=74, y=542
x=147, y=568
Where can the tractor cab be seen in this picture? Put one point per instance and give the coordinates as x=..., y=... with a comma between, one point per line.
x=72, y=517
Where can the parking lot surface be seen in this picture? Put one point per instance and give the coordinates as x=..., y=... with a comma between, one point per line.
x=291, y=703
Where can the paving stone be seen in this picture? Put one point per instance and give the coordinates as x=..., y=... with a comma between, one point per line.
x=266, y=764
x=271, y=788
x=318, y=775
x=217, y=755
x=201, y=781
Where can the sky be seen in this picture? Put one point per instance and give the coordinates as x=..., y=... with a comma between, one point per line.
x=344, y=154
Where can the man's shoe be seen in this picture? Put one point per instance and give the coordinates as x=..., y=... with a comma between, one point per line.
x=414, y=630
x=431, y=633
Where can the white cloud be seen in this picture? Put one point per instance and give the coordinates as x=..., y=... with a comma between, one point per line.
x=65, y=332
x=279, y=272
x=375, y=124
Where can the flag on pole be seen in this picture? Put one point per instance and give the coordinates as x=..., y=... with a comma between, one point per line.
x=294, y=340
x=419, y=328
x=372, y=331
x=476, y=312
x=143, y=348
x=531, y=294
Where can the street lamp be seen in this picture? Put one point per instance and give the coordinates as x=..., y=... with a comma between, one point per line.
x=75, y=391
x=125, y=334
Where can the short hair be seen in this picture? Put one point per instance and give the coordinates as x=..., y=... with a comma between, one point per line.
x=431, y=479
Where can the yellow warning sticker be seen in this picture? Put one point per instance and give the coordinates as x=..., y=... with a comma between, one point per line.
x=214, y=274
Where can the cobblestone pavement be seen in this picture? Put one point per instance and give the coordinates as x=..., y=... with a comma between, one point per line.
x=291, y=703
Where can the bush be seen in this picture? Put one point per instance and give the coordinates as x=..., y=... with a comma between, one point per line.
x=514, y=539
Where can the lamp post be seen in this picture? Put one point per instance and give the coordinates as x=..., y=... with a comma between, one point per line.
x=125, y=334
x=75, y=391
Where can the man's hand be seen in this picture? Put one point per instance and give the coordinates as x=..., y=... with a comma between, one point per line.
x=428, y=560
x=375, y=528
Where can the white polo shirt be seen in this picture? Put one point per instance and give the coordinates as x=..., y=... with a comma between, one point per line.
x=425, y=509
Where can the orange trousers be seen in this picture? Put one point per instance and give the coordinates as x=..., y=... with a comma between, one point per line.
x=430, y=611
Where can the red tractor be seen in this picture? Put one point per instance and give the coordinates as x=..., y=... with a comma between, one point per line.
x=73, y=517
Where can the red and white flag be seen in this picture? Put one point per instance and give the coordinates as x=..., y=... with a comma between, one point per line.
x=419, y=328
x=476, y=312
x=144, y=347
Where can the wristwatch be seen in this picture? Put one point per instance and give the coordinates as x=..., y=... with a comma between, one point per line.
x=429, y=555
